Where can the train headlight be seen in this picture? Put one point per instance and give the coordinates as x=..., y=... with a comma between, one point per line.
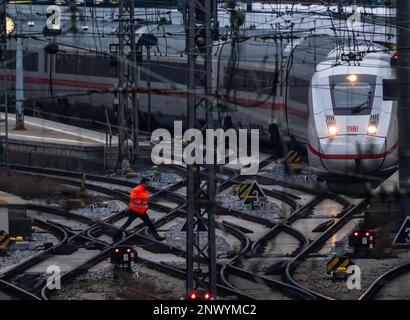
x=332, y=129
x=373, y=124
x=372, y=129
x=331, y=126
x=352, y=78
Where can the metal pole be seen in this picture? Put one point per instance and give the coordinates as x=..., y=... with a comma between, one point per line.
x=3, y=43
x=6, y=111
x=149, y=85
x=122, y=98
x=127, y=78
x=211, y=167
x=249, y=6
x=191, y=124
x=135, y=75
x=200, y=20
x=403, y=105
x=135, y=137
x=19, y=85
x=340, y=6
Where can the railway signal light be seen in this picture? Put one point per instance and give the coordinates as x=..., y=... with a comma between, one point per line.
x=362, y=239
x=394, y=61
x=124, y=257
x=200, y=294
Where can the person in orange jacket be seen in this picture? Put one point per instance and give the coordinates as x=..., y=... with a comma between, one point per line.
x=138, y=208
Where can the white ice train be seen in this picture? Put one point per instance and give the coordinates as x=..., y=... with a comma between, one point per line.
x=297, y=88
x=352, y=123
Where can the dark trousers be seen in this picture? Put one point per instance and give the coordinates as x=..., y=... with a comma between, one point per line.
x=132, y=215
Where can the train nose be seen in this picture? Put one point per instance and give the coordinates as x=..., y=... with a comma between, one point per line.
x=352, y=154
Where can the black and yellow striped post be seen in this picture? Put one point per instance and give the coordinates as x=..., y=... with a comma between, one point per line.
x=338, y=262
x=4, y=241
x=292, y=161
x=292, y=157
x=244, y=190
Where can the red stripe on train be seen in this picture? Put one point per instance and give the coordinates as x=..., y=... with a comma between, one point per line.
x=352, y=156
x=244, y=102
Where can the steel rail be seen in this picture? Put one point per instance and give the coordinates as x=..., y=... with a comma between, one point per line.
x=317, y=244
x=384, y=280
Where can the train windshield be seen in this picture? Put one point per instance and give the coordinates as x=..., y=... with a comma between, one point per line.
x=352, y=94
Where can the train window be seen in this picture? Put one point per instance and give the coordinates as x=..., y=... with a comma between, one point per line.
x=11, y=59
x=259, y=82
x=164, y=72
x=389, y=89
x=167, y=72
x=354, y=95
x=45, y=62
x=98, y=66
x=30, y=60
x=298, y=89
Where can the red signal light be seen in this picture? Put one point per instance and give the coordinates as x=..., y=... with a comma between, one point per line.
x=395, y=57
x=207, y=296
x=128, y=250
x=117, y=250
x=356, y=233
x=367, y=234
x=192, y=295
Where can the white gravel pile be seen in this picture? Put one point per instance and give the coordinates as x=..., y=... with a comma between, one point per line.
x=159, y=179
x=227, y=199
x=17, y=256
x=276, y=171
x=177, y=239
x=99, y=211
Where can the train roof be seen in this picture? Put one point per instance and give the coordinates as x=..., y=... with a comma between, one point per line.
x=314, y=49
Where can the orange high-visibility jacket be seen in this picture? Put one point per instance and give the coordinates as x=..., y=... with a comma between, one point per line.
x=139, y=199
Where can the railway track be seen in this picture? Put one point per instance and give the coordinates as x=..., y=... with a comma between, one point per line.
x=18, y=289
x=72, y=239
x=288, y=286
x=394, y=275
x=73, y=179
x=317, y=245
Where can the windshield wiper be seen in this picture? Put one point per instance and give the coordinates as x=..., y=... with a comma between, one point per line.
x=359, y=108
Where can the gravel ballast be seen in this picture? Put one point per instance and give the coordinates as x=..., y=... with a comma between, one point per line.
x=100, y=210
x=110, y=284
x=159, y=179
x=276, y=171
x=177, y=239
x=16, y=256
x=312, y=274
x=227, y=199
